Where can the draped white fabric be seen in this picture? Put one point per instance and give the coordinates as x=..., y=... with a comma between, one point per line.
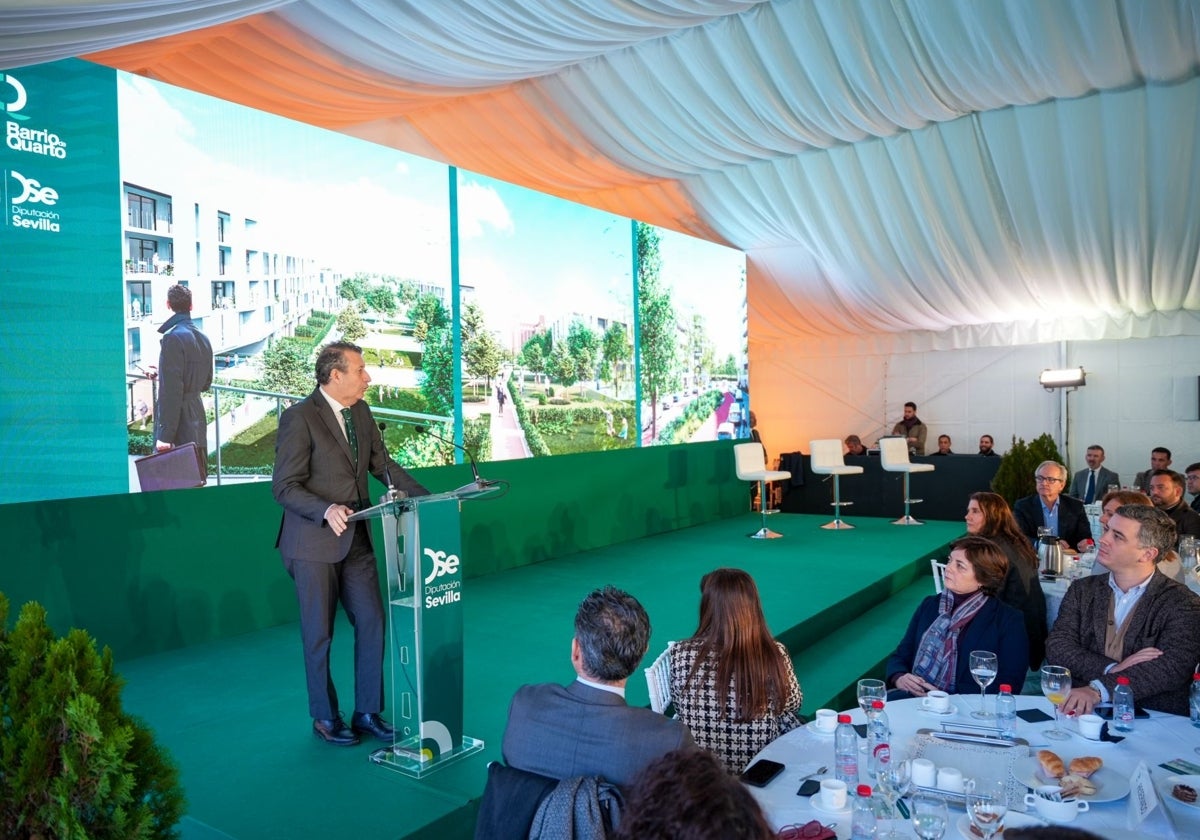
x=939, y=171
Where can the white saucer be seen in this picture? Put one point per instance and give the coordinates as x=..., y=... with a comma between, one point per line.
x=811, y=726
x=952, y=710
x=819, y=807
x=1166, y=785
x=1011, y=820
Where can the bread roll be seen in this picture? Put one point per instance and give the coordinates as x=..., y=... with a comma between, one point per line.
x=1085, y=766
x=1076, y=786
x=1052, y=764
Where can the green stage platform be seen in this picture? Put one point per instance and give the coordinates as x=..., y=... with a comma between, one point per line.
x=232, y=711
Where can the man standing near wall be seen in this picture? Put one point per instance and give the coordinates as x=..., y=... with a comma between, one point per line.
x=986, y=445
x=913, y=429
x=1160, y=459
x=1091, y=484
x=185, y=370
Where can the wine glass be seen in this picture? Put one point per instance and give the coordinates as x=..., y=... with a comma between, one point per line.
x=987, y=803
x=1056, y=684
x=930, y=816
x=983, y=669
x=893, y=781
x=869, y=691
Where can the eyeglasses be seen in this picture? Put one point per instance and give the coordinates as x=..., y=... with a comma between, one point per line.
x=1045, y=479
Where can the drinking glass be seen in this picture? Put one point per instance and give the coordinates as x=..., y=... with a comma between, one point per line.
x=987, y=803
x=1056, y=684
x=930, y=816
x=983, y=669
x=869, y=691
x=893, y=781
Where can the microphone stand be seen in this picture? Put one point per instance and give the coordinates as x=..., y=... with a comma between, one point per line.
x=480, y=483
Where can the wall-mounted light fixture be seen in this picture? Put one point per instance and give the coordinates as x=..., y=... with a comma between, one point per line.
x=1062, y=378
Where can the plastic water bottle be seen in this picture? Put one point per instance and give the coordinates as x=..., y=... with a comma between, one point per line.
x=1006, y=712
x=879, y=733
x=862, y=821
x=1195, y=699
x=845, y=753
x=1123, y=706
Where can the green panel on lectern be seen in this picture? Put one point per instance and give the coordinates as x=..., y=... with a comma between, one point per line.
x=441, y=647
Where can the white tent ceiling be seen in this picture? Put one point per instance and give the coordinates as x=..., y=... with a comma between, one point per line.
x=973, y=170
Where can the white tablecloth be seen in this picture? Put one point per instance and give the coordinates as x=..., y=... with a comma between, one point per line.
x=1158, y=739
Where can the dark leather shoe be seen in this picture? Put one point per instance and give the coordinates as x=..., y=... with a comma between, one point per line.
x=334, y=732
x=370, y=723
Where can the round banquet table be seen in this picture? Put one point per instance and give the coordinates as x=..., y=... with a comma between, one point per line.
x=1158, y=739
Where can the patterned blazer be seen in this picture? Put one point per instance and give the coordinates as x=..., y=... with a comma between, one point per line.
x=1167, y=616
x=700, y=703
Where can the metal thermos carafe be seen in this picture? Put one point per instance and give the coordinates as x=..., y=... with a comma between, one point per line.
x=1050, y=557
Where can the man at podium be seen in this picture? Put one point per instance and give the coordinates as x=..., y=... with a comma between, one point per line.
x=327, y=444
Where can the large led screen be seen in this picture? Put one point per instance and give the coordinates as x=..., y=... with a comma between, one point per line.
x=495, y=320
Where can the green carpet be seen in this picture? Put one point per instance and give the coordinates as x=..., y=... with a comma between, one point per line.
x=233, y=712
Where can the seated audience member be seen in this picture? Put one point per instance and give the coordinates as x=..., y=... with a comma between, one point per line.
x=1192, y=476
x=1166, y=491
x=731, y=682
x=1132, y=622
x=935, y=653
x=1049, y=508
x=586, y=728
x=943, y=446
x=988, y=516
x=688, y=794
x=854, y=446
x=1092, y=483
x=1168, y=564
x=986, y=447
x=1160, y=459
x=911, y=427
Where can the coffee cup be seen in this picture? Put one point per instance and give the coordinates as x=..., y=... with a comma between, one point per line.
x=950, y=779
x=1090, y=726
x=826, y=720
x=833, y=794
x=1054, y=811
x=936, y=701
x=923, y=772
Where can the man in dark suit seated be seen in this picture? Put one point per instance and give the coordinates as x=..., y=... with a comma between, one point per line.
x=1166, y=491
x=1049, y=508
x=586, y=728
x=1133, y=622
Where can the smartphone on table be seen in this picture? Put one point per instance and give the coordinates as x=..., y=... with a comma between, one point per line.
x=761, y=772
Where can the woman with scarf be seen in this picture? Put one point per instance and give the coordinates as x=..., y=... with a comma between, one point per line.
x=935, y=653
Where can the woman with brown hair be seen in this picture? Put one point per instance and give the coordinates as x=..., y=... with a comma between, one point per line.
x=731, y=682
x=988, y=515
x=935, y=652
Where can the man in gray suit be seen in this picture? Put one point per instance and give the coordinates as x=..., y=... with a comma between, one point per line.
x=1133, y=622
x=327, y=444
x=586, y=728
x=1091, y=484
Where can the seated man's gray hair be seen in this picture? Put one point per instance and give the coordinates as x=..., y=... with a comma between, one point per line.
x=613, y=632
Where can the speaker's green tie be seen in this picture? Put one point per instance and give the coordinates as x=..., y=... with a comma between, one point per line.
x=350, y=436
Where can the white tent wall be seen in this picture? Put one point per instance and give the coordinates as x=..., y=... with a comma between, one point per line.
x=1140, y=393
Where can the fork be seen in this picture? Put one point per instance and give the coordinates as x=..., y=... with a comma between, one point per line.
x=815, y=773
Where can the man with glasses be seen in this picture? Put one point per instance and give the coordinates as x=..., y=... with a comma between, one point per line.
x=1192, y=476
x=1049, y=508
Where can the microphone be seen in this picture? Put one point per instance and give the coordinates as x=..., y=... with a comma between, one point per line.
x=386, y=472
x=480, y=482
